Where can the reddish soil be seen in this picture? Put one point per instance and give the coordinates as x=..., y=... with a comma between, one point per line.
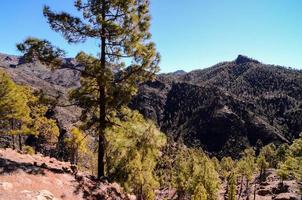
x=28, y=177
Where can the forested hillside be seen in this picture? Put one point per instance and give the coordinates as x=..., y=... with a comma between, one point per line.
x=231, y=131
x=227, y=107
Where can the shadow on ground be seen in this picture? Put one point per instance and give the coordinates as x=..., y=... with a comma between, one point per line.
x=95, y=189
x=8, y=166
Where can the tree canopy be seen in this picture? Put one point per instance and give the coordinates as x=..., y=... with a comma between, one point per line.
x=127, y=57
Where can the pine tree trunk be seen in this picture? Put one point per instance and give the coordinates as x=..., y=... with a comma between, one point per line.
x=102, y=121
x=20, y=142
x=247, y=190
x=76, y=157
x=255, y=188
x=36, y=145
x=241, y=185
x=226, y=190
x=13, y=142
x=101, y=150
x=13, y=136
x=102, y=103
x=261, y=171
x=72, y=156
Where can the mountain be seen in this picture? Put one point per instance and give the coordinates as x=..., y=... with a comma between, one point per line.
x=223, y=109
x=227, y=107
x=54, y=83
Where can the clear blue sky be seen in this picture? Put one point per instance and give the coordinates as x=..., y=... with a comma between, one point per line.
x=189, y=34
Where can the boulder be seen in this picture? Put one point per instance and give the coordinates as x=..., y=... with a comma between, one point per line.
x=45, y=195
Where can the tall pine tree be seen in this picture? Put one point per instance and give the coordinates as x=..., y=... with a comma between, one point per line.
x=126, y=57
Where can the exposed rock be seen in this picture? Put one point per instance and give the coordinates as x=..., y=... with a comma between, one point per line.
x=166, y=194
x=244, y=59
x=45, y=195
x=6, y=185
x=287, y=196
x=264, y=192
x=264, y=183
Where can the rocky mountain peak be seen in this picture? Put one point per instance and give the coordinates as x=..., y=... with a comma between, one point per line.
x=241, y=59
x=179, y=72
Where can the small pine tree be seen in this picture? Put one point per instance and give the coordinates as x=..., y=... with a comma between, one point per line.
x=216, y=164
x=262, y=166
x=269, y=153
x=281, y=152
x=133, y=149
x=241, y=168
x=77, y=144
x=227, y=166
x=44, y=129
x=245, y=168
x=200, y=193
x=231, y=187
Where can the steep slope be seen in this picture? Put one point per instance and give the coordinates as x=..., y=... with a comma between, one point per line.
x=227, y=107
x=39, y=77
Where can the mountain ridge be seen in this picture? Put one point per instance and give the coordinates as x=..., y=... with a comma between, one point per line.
x=223, y=109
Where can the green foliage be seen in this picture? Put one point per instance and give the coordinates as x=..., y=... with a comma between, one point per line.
x=14, y=109
x=188, y=170
x=231, y=187
x=133, y=148
x=76, y=144
x=43, y=127
x=269, y=153
x=127, y=57
x=245, y=168
x=29, y=150
x=22, y=113
x=281, y=152
x=295, y=149
x=216, y=164
x=227, y=165
x=200, y=193
x=246, y=165
x=292, y=165
x=262, y=165
x=41, y=50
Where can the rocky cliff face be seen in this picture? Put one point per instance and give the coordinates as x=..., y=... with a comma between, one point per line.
x=223, y=109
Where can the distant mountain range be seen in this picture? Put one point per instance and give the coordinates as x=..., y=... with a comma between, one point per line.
x=223, y=109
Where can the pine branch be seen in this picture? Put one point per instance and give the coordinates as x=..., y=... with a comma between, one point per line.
x=72, y=28
x=128, y=75
x=118, y=55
